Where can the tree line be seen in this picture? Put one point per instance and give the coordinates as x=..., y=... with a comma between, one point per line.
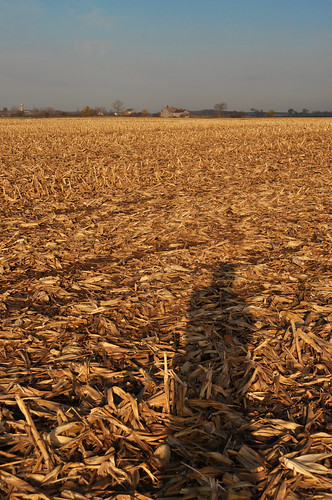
x=118, y=109
x=220, y=110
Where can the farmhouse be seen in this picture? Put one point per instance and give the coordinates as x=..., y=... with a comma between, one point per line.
x=174, y=113
x=130, y=111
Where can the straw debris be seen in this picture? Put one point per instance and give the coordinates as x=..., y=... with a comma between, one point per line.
x=165, y=307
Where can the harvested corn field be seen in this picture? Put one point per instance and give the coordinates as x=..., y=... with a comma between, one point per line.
x=165, y=309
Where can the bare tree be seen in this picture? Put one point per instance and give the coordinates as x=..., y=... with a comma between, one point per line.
x=220, y=108
x=255, y=111
x=101, y=111
x=118, y=106
x=14, y=110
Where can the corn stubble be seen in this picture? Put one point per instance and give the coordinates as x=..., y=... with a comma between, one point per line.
x=165, y=309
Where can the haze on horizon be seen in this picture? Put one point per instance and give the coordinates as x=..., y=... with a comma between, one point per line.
x=194, y=54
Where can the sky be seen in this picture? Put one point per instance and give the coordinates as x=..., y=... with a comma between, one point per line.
x=263, y=54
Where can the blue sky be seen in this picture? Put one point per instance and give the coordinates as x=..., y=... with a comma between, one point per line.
x=190, y=53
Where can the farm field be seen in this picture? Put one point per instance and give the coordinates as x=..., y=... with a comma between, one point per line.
x=165, y=308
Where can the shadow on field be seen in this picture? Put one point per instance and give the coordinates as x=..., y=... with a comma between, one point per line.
x=211, y=415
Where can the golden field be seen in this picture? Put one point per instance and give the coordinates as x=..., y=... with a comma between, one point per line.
x=165, y=305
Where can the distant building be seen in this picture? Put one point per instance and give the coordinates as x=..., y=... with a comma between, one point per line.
x=174, y=112
x=130, y=111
